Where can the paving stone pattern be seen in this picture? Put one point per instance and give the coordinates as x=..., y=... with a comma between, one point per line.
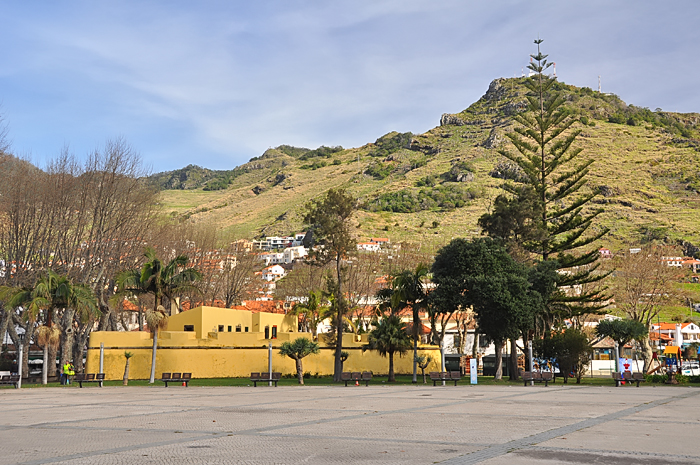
x=360, y=425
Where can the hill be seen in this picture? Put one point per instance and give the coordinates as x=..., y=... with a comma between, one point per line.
x=427, y=188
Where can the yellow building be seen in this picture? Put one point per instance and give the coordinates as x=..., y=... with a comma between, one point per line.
x=212, y=342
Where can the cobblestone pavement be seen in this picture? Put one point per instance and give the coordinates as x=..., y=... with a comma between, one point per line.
x=360, y=425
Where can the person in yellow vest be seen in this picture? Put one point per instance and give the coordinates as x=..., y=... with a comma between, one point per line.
x=71, y=372
x=67, y=372
x=64, y=373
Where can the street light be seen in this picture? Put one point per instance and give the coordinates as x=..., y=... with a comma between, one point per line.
x=20, y=359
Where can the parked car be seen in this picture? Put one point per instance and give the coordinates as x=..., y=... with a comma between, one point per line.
x=691, y=368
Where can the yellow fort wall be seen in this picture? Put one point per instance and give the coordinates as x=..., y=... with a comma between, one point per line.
x=224, y=354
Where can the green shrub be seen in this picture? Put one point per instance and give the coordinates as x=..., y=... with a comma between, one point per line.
x=390, y=143
x=322, y=151
x=378, y=171
x=445, y=197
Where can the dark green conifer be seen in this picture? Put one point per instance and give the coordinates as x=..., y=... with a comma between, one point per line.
x=554, y=211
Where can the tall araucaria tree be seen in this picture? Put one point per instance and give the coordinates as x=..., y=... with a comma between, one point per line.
x=559, y=216
x=329, y=218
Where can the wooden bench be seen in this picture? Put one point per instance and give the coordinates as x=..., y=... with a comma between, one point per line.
x=10, y=379
x=538, y=377
x=81, y=378
x=436, y=376
x=184, y=378
x=265, y=377
x=356, y=376
x=627, y=376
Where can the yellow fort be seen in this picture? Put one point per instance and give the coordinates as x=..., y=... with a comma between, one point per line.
x=212, y=342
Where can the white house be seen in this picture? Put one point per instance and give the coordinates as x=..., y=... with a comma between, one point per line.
x=293, y=253
x=682, y=334
x=273, y=273
x=675, y=262
x=272, y=258
x=368, y=246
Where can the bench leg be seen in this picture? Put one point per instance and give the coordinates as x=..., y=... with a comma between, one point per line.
x=81, y=384
x=100, y=383
x=546, y=383
x=346, y=383
x=255, y=384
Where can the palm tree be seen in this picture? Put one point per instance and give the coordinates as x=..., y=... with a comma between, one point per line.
x=409, y=291
x=389, y=337
x=50, y=293
x=163, y=281
x=155, y=320
x=127, y=356
x=47, y=336
x=312, y=312
x=297, y=350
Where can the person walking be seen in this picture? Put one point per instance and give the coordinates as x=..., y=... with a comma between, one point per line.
x=71, y=372
x=64, y=373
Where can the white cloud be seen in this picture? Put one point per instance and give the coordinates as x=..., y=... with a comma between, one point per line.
x=216, y=83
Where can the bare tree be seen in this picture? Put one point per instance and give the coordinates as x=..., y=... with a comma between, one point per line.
x=643, y=282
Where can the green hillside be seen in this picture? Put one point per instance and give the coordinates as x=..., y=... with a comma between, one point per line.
x=428, y=188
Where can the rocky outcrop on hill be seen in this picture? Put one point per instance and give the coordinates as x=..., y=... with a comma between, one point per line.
x=451, y=120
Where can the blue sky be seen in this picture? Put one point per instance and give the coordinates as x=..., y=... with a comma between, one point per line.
x=216, y=83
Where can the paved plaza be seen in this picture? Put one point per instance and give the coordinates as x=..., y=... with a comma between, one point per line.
x=358, y=425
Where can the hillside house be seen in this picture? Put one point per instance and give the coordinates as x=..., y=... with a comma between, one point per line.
x=294, y=253
x=368, y=246
x=676, y=262
x=605, y=253
x=691, y=263
x=682, y=334
x=273, y=273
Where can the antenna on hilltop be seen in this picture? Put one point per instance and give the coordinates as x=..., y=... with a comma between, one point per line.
x=555, y=69
x=599, y=84
x=531, y=73
x=522, y=72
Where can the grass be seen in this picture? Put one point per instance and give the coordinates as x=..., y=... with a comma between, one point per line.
x=640, y=164
x=401, y=380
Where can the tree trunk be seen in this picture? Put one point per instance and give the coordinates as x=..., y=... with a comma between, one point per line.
x=67, y=340
x=53, y=351
x=153, y=358
x=45, y=367
x=338, y=366
x=125, y=380
x=140, y=317
x=25, y=356
x=4, y=321
x=392, y=378
x=475, y=346
x=499, y=360
x=415, y=362
x=300, y=371
x=416, y=324
x=647, y=354
x=513, y=360
x=104, y=321
x=80, y=341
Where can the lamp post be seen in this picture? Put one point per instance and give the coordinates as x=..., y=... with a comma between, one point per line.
x=20, y=359
x=529, y=354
